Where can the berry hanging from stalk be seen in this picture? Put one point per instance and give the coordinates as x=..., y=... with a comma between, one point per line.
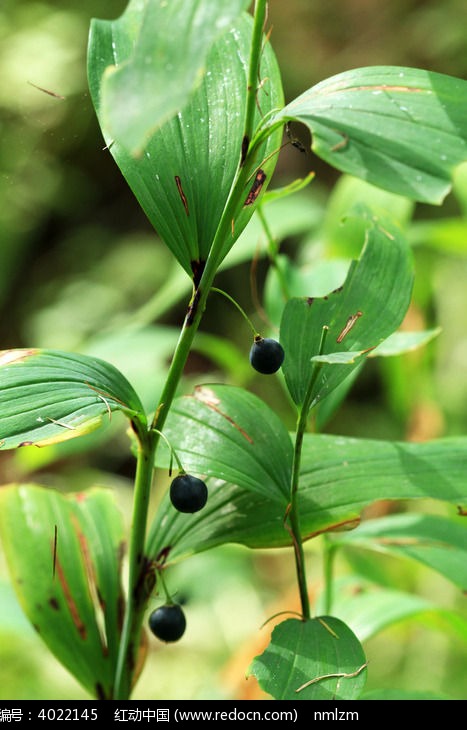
x=266, y=355
x=168, y=622
x=188, y=493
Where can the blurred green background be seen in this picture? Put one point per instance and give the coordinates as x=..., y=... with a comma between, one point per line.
x=81, y=269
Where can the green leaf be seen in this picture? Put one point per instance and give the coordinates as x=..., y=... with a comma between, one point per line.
x=231, y=515
x=231, y=434
x=286, y=280
x=368, y=610
x=339, y=476
x=318, y=659
x=141, y=354
x=395, y=344
x=338, y=358
x=64, y=555
x=438, y=542
x=184, y=177
x=159, y=57
x=359, y=316
x=47, y=396
x=401, y=342
x=249, y=480
x=327, y=408
x=402, y=129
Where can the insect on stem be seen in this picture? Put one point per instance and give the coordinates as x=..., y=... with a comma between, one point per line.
x=350, y=323
x=294, y=141
x=255, y=189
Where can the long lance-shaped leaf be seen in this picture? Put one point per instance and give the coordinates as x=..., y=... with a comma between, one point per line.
x=64, y=555
x=339, y=476
x=184, y=177
x=160, y=57
x=47, y=396
x=246, y=504
x=358, y=316
x=369, y=609
x=438, y=542
x=402, y=129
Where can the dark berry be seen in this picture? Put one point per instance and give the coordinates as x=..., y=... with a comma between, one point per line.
x=266, y=355
x=168, y=622
x=188, y=493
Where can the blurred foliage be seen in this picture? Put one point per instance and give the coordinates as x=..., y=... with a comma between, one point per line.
x=79, y=264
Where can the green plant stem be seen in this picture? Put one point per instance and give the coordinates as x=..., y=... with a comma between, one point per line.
x=294, y=519
x=254, y=65
x=273, y=252
x=143, y=481
x=293, y=513
x=138, y=593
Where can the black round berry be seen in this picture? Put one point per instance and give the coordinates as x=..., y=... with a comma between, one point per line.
x=188, y=493
x=168, y=622
x=266, y=355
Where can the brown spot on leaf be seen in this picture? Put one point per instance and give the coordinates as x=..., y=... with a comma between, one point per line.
x=162, y=555
x=91, y=577
x=72, y=607
x=178, y=182
x=206, y=396
x=100, y=598
x=53, y=603
x=388, y=87
x=7, y=357
x=345, y=525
